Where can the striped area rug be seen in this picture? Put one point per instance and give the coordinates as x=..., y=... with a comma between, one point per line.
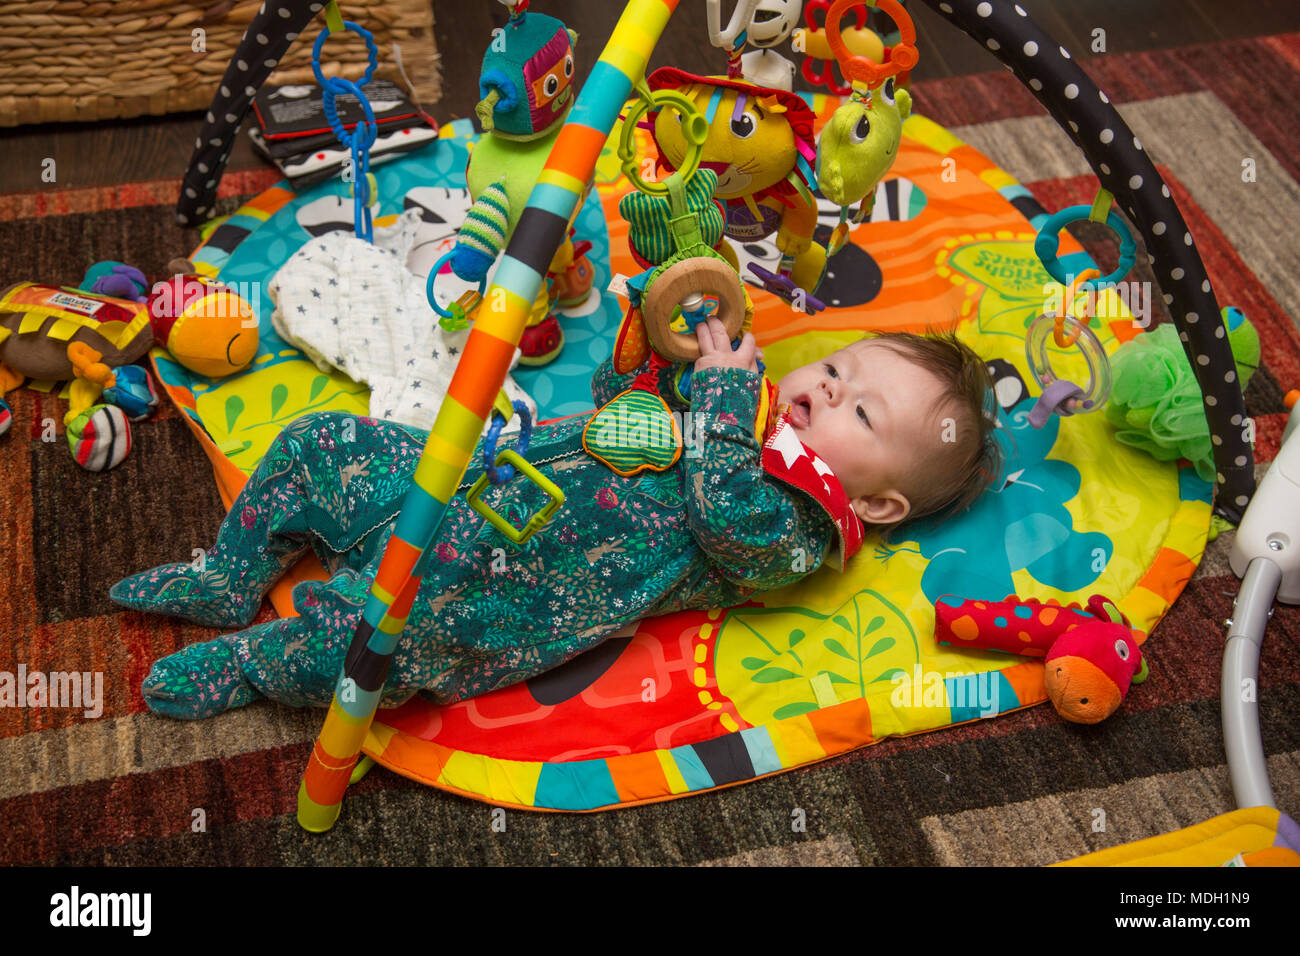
x=126, y=787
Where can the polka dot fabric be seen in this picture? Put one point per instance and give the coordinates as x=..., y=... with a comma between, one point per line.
x=1125, y=169
x=275, y=27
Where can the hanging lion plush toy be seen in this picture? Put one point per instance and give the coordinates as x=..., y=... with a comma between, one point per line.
x=762, y=148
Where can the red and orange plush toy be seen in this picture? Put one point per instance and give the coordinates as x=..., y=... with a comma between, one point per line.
x=207, y=326
x=1092, y=654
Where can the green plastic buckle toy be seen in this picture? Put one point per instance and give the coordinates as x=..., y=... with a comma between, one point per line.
x=538, y=520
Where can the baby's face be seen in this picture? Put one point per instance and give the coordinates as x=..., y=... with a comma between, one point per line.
x=870, y=413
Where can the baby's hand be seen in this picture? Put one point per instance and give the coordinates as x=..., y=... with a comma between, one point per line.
x=716, y=351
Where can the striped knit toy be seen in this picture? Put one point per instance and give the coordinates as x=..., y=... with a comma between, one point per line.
x=482, y=235
x=648, y=217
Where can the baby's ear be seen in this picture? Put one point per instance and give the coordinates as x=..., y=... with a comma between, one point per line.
x=887, y=507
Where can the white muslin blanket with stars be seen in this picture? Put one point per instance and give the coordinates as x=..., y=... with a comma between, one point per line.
x=355, y=306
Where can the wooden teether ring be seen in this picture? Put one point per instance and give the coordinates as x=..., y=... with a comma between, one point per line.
x=701, y=275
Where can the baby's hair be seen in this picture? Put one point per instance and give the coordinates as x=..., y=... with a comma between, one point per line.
x=954, y=478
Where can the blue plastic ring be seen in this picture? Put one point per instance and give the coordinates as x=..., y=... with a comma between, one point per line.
x=367, y=130
x=433, y=274
x=1048, y=244
x=499, y=474
x=371, y=49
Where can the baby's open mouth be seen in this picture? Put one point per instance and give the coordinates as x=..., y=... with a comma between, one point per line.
x=800, y=412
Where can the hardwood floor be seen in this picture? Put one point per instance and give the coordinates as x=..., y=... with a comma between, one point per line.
x=110, y=152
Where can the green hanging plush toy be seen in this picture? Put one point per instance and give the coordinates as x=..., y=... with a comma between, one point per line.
x=860, y=143
x=1155, y=402
x=526, y=82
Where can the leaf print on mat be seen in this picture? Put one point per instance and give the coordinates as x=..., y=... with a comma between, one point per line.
x=234, y=408
x=766, y=658
x=279, y=395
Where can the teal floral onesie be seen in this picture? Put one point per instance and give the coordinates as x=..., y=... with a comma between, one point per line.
x=711, y=530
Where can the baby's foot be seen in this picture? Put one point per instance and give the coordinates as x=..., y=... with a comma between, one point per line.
x=204, y=597
x=200, y=681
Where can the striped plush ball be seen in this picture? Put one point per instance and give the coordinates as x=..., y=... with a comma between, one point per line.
x=100, y=437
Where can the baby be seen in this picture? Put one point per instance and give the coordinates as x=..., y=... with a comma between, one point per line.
x=887, y=429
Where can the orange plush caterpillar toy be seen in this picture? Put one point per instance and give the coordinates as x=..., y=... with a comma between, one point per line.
x=1092, y=655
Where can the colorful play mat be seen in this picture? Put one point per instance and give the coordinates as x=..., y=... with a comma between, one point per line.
x=703, y=699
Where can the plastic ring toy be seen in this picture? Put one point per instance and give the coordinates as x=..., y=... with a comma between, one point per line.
x=366, y=131
x=371, y=49
x=433, y=275
x=1048, y=244
x=1041, y=332
x=1062, y=339
x=540, y=517
x=902, y=55
x=695, y=130
x=696, y=276
x=503, y=474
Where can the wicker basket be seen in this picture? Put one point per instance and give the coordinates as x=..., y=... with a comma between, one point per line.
x=64, y=60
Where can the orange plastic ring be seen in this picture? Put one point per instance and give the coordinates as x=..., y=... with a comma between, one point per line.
x=1058, y=334
x=1058, y=330
x=902, y=55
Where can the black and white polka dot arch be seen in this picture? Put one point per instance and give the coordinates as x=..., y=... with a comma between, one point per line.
x=276, y=25
x=1125, y=169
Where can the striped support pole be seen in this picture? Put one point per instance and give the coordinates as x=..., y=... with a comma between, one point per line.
x=479, y=376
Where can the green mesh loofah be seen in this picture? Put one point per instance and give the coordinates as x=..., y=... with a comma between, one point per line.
x=1155, y=402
